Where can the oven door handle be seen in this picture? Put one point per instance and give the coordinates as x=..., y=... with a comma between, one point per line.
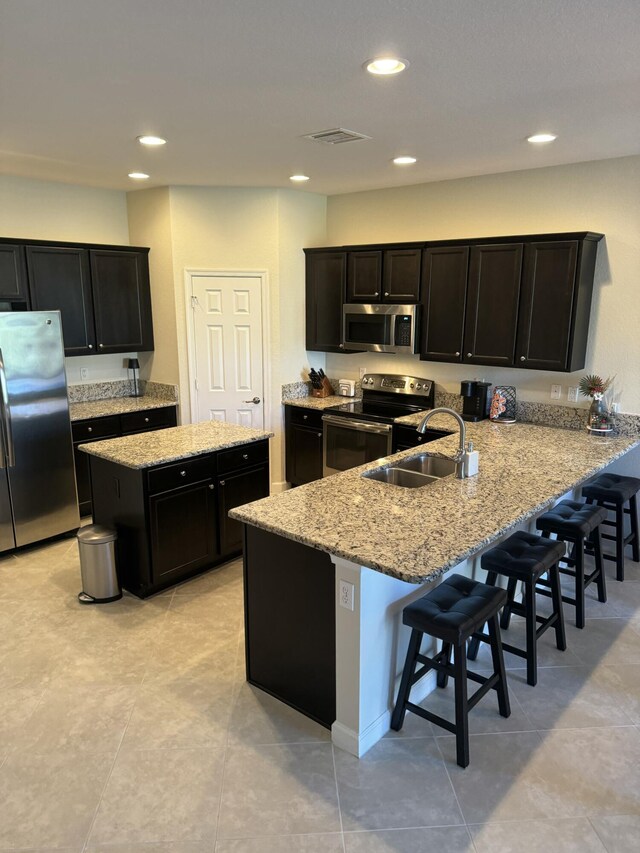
x=360, y=426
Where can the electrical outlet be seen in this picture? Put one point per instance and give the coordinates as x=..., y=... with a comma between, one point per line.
x=556, y=392
x=363, y=370
x=84, y=373
x=615, y=408
x=572, y=394
x=346, y=595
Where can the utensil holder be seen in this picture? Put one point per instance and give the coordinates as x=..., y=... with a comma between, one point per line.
x=325, y=391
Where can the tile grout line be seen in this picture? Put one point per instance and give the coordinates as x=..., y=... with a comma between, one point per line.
x=601, y=840
x=335, y=778
x=444, y=764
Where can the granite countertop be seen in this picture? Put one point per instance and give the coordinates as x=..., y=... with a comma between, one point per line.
x=417, y=534
x=147, y=449
x=319, y=402
x=116, y=406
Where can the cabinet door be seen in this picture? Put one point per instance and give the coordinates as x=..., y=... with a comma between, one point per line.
x=492, y=304
x=401, y=270
x=444, y=292
x=325, y=291
x=13, y=273
x=364, y=277
x=182, y=530
x=235, y=490
x=59, y=280
x=122, y=300
x=546, y=305
x=304, y=454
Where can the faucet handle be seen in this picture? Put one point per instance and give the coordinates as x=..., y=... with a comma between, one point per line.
x=469, y=446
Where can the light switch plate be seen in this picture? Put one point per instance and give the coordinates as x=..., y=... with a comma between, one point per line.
x=556, y=392
x=572, y=394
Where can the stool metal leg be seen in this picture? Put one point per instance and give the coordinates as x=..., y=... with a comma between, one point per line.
x=635, y=542
x=620, y=542
x=397, y=718
x=596, y=541
x=531, y=629
x=554, y=577
x=578, y=556
x=505, y=619
x=462, y=709
x=442, y=678
x=498, y=667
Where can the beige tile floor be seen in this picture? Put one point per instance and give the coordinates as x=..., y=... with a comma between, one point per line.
x=128, y=727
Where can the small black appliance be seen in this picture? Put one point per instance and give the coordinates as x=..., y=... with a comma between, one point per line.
x=475, y=399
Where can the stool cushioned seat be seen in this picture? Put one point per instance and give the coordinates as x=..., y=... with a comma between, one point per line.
x=523, y=555
x=454, y=610
x=572, y=518
x=611, y=487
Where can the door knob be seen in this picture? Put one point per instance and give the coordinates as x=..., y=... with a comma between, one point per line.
x=255, y=400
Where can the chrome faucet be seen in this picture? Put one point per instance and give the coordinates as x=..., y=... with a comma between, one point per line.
x=462, y=455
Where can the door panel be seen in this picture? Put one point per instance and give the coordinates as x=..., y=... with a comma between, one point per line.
x=364, y=278
x=235, y=490
x=122, y=301
x=227, y=338
x=13, y=275
x=444, y=291
x=401, y=276
x=325, y=293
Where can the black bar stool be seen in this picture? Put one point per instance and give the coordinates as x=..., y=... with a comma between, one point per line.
x=612, y=491
x=453, y=612
x=526, y=557
x=575, y=522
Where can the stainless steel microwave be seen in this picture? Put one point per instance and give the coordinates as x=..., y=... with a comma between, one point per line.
x=380, y=328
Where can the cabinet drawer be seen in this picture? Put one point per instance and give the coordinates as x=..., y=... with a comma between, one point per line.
x=306, y=417
x=180, y=474
x=149, y=419
x=95, y=428
x=241, y=457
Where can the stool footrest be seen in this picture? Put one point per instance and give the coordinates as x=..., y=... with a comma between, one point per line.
x=432, y=718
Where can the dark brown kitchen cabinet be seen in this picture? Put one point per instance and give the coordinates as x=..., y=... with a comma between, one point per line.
x=493, y=295
x=364, y=277
x=122, y=300
x=325, y=295
x=236, y=489
x=13, y=275
x=549, y=307
x=401, y=276
x=303, y=445
x=172, y=519
x=405, y=437
x=444, y=293
x=60, y=280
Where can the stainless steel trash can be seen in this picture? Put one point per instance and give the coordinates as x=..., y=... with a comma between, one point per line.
x=97, y=547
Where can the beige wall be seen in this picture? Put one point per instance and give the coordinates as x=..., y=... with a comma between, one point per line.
x=599, y=196
x=44, y=210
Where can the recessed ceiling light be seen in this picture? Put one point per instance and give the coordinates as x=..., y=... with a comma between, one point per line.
x=404, y=161
x=540, y=138
x=299, y=178
x=151, y=140
x=386, y=65
x=138, y=176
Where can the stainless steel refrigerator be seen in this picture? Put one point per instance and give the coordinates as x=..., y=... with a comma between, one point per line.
x=38, y=496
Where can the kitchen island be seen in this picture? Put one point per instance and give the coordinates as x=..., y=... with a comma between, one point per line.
x=168, y=494
x=329, y=566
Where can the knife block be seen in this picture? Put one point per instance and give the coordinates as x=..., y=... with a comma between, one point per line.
x=325, y=391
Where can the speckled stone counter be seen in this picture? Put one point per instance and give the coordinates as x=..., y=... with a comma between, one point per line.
x=116, y=406
x=415, y=535
x=319, y=403
x=144, y=450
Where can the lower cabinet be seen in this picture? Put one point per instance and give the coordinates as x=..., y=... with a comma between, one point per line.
x=303, y=440
x=172, y=520
x=111, y=426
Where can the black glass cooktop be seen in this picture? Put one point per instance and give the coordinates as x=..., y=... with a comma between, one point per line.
x=384, y=413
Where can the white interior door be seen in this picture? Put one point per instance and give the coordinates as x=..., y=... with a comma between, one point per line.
x=227, y=349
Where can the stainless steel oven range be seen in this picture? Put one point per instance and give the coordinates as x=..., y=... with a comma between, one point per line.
x=359, y=432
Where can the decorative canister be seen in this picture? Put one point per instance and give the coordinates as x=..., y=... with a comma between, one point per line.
x=503, y=404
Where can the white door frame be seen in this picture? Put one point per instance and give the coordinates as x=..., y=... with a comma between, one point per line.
x=263, y=275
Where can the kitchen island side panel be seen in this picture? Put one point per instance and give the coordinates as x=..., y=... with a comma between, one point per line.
x=290, y=623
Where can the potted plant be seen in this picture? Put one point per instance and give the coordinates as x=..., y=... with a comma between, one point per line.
x=595, y=387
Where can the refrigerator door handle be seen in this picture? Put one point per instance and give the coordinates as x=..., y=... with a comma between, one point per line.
x=7, y=434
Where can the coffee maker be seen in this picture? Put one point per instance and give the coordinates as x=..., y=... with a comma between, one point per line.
x=475, y=399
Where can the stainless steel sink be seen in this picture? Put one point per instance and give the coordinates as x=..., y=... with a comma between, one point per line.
x=423, y=470
x=434, y=466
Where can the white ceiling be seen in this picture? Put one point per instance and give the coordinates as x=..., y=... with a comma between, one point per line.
x=235, y=85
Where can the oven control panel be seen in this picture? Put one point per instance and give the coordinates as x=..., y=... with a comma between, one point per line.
x=393, y=384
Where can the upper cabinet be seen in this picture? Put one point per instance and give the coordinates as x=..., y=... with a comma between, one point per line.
x=364, y=276
x=401, y=275
x=444, y=294
x=102, y=292
x=326, y=274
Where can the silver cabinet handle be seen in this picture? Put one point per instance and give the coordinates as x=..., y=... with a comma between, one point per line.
x=469, y=355
x=255, y=401
x=90, y=346
x=457, y=353
x=523, y=358
x=89, y=429
x=386, y=293
x=319, y=435
x=101, y=346
x=304, y=417
x=245, y=455
x=183, y=473
x=222, y=482
x=341, y=346
x=146, y=420
x=211, y=486
x=376, y=293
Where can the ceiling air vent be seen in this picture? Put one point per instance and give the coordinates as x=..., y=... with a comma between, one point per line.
x=336, y=136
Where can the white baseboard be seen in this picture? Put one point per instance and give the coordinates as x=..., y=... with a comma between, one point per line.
x=359, y=743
